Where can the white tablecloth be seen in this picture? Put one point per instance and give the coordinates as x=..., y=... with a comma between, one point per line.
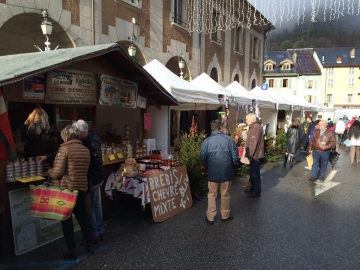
x=136, y=186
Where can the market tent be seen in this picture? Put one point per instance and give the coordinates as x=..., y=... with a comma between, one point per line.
x=182, y=90
x=237, y=90
x=262, y=95
x=298, y=103
x=17, y=67
x=204, y=81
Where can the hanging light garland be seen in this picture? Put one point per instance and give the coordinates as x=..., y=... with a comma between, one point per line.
x=210, y=16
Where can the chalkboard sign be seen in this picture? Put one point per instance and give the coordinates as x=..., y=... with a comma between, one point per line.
x=169, y=193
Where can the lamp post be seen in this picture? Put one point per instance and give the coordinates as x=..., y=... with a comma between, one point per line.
x=132, y=48
x=181, y=66
x=46, y=27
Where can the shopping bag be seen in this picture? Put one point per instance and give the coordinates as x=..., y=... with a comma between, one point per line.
x=347, y=142
x=310, y=160
x=51, y=202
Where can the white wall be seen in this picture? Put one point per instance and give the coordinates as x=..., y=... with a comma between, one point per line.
x=160, y=127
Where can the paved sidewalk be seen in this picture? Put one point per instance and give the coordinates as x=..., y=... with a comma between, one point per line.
x=296, y=224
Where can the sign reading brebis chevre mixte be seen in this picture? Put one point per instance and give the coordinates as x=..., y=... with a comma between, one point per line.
x=71, y=87
x=169, y=193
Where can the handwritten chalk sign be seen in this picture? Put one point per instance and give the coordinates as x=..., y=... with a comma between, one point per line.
x=169, y=193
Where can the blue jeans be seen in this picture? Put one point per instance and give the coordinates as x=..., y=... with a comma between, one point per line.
x=96, y=216
x=255, y=177
x=323, y=159
x=297, y=155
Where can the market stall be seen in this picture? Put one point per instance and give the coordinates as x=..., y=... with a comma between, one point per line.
x=100, y=84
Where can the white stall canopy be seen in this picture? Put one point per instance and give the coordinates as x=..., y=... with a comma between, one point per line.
x=182, y=90
x=237, y=90
x=263, y=96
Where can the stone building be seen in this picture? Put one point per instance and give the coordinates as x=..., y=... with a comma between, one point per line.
x=159, y=32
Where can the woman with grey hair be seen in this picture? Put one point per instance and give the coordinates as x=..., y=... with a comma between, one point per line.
x=70, y=172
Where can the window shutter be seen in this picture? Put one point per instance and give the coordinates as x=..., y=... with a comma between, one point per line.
x=314, y=85
x=333, y=99
x=289, y=83
x=315, y=99
x=345, y=98
x=306, y=84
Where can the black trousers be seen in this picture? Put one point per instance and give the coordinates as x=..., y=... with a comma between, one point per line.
x=255, y=177
x=82, y=212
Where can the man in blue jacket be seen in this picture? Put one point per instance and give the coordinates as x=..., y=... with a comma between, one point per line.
x=219, y=154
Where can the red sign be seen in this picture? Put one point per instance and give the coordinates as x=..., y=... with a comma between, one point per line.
x=147, y=121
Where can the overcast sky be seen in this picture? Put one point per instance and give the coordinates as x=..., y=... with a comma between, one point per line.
x=285, y=13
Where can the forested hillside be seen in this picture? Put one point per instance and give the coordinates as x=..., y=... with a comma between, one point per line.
x=340, y=32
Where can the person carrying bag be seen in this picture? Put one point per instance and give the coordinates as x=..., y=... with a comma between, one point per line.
x=70, y=173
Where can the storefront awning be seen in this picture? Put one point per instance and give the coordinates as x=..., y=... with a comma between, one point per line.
x=17, y=67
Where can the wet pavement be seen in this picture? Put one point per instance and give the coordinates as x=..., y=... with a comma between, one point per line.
x=296, y=224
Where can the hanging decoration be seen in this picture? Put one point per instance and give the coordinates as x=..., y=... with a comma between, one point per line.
x=38, y=121
x=211, y=16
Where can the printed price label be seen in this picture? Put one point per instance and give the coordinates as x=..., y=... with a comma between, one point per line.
x=112, y=157
x=120, y=155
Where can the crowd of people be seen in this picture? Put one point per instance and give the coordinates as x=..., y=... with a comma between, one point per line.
x=219, y=154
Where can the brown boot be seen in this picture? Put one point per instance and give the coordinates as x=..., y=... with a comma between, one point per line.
x=248, y=185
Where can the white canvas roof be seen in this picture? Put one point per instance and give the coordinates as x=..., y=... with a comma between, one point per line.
x=182, y=90
x=263, y=96
x=238, y=90
x=204, y=81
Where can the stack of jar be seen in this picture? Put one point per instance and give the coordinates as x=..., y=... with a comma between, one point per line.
x=17, y=170
x=24, y=169
x=129, y=150
x=155, y=158
x=32, y=167
x=10, y=172
x=140, y=149
x=39, y=168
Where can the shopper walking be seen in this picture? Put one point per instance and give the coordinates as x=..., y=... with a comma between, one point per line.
x=354, y=135
x=339, y=130
x=297, y=154
x=219, y=154
x=310, y=125
x=323, y=141
x=293, y=142
x=95, y=176
x=254, y=150
x=70, y=171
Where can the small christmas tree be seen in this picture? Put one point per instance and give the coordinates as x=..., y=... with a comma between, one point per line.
x=189, y=155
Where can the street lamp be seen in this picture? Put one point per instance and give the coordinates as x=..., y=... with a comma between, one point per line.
x=46, y=27
x=181, y=66
x=132, y=48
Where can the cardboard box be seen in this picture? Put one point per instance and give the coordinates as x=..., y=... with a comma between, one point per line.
x=150, y=145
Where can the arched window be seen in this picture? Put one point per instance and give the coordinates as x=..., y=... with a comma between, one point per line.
x=214, y=74
x=236, y=78
x=253, y=84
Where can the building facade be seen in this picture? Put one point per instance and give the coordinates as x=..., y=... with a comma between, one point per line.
x=341, y=73
x=156, y=28
x=294, y=72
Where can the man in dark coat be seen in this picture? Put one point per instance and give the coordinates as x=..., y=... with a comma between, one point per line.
x=95, y=176
x=254, y=150
x=297, y=154
x=219, y=154
x=310, y=126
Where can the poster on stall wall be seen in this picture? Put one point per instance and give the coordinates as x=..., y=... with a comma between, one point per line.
x=147, y=121
x=117, y=92
x=31, y=232
x=169, y=193
x=71, y=87
x=34, y=88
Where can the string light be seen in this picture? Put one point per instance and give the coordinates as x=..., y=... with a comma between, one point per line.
x=210, y=16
